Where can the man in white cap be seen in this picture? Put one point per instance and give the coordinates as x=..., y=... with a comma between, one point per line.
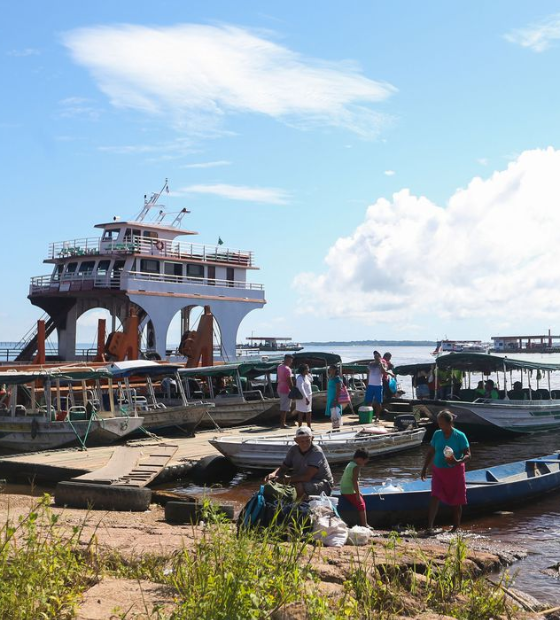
x=311, y=474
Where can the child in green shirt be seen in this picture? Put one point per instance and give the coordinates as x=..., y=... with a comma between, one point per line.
x=350, y=484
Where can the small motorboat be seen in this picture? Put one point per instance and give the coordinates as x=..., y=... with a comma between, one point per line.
x=488, y=490
x=269, y=451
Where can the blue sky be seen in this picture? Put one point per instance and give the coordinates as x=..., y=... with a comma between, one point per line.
x=393, y=165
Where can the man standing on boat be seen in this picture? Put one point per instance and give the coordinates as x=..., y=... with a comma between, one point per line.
x=285, y=384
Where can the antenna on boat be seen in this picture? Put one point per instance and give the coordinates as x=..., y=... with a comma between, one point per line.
x=152, y=202
x=177, y=221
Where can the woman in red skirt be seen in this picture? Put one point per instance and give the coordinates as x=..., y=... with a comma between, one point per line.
x=449, y=449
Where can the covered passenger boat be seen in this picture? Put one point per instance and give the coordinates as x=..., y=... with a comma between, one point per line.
x=529, y=409
x=495, y=488
x=50, y=408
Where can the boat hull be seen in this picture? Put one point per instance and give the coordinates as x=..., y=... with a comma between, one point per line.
x=186, y=418
x=499, y=416
x=33, y=433
x=259, y=453
x=487, y=490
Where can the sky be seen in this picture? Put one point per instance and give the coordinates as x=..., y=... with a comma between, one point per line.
x=394, y=166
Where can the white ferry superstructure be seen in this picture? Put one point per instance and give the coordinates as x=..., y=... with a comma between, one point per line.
x=139, y=267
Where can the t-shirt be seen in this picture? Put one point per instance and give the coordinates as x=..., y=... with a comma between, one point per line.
x=347, y=480
x=457, y=440
x=375, y=374
x=331, y=391
x=283, y=373
x=299, y=461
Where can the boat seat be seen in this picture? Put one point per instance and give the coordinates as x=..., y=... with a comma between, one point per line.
x=467, y=395
x=491, y=477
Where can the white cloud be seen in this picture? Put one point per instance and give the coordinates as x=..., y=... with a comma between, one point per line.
x=491, y=252
x=539, y=36
x=162, y=151
x=482, y=161
x=79, y=107
x=22, y=53
x=389, y=173
x=195, y=75
x=269, y=195
x=208, y=164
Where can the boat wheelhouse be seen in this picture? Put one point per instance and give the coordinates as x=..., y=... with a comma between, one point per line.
x=138, y=268
x=460, y=346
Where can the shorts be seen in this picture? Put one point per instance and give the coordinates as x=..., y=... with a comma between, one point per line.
x=316, y=488
x=336, y=416
x=356, y=500
x=422, y=391
x=374, y=394
x=285, y=402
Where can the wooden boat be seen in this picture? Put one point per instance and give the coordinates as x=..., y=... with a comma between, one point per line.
x=488, y=490
x=227, y=388
x=269, y=451
x=45, y=409
x=167, y=411
x=485, y=418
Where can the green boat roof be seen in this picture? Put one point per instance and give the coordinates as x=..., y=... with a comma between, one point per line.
x=53, y=374
x=482, y=362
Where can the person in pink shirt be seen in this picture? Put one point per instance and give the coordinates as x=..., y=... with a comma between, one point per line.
x=285, y=384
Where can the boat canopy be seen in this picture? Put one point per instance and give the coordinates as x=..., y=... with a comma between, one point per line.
x=475, y=362
x=140, y=367
x=53, y=374
x=316, y=359
x=481, y=362
x=244, y=369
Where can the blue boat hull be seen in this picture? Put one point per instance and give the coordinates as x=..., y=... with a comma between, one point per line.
x=488, y=490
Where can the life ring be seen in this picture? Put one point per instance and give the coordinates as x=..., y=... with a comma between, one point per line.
x=159, y=245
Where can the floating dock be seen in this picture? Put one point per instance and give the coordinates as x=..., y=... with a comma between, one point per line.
x=50, y=467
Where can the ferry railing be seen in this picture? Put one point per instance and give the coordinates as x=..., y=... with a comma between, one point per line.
x=186, y=280
x=94, y=246
x=83, y=282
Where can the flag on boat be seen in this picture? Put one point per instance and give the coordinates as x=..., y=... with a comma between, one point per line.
x=220, y=242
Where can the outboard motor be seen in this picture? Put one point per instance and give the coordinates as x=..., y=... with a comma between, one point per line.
x=405, y=421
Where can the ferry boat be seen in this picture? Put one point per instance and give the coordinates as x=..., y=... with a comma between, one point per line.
x=460, y=346
x=273, y=344
x=144, y=276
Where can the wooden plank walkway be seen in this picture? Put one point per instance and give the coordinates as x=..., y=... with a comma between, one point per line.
x=56, y=465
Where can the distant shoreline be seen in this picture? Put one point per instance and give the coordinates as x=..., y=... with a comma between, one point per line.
x=372, y=343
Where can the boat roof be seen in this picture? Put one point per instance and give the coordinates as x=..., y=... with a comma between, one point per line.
x=145, y=226
x=315, y=359
x=475, y=362
x=141, y=367
x=245, y=369
x=54, y=374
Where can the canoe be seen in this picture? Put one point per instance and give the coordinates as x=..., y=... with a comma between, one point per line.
x=488, y=490
x=269, y=451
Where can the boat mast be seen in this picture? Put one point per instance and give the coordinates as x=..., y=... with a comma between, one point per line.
x=152, y=202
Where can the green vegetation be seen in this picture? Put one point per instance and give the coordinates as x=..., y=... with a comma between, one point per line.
x=243, y=574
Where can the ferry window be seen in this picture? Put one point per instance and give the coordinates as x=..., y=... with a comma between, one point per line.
x=103, y=267
x=111, y=235
x=211, y=274
x=230, y=273
x=150, y=234
x=130, y=233
x=71, y=268
x=149, y=266
x=117, y=268
x=195, y=271
x=86, y=268
x=173, y=269
x=57, y=272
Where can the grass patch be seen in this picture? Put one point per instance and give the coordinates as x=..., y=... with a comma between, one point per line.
x=228, y=574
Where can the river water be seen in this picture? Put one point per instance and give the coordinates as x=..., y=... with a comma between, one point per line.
x=535, y=527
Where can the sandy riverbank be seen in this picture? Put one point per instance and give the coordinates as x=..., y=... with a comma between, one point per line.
x=139, y=534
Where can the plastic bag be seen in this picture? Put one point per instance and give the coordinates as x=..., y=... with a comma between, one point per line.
x=330, y=530
x=359, y=535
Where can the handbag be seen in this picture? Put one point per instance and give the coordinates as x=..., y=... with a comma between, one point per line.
x=295, y=394
x=343, y=395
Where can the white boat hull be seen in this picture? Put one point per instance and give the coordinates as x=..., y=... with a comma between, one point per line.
x=268, y=452
x=33, y=433
x=499, y=415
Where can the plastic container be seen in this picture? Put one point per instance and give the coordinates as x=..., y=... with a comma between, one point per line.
x=365, y=414
x=447, y=452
